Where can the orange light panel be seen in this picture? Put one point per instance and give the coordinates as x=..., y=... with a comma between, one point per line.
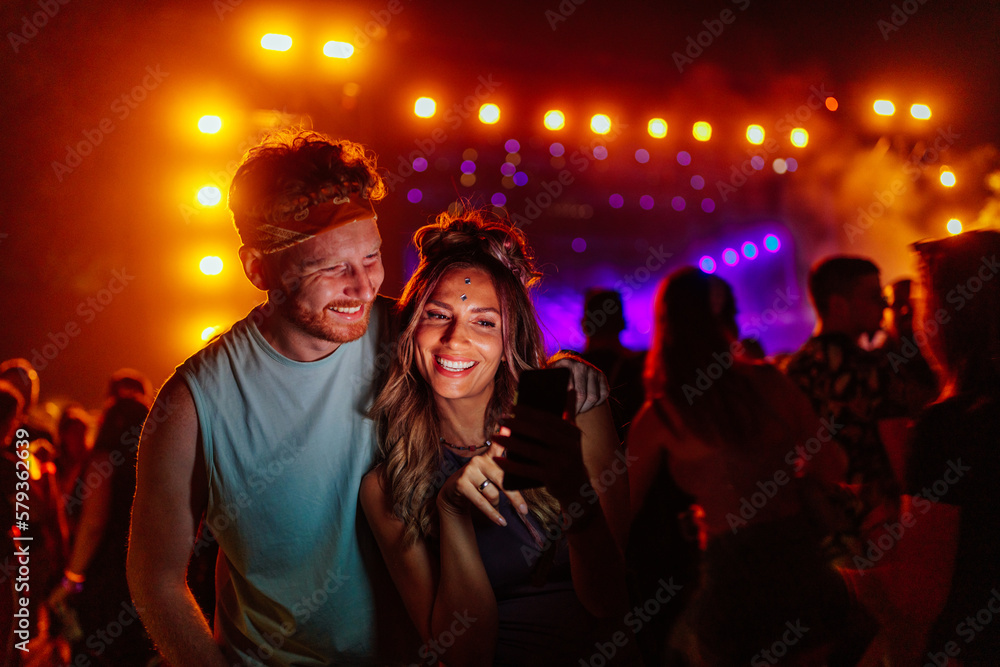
x=425, y=107
x=884, y=107
x=211, y=265
x=338, y=50
x=209, y=124
x=274, y=42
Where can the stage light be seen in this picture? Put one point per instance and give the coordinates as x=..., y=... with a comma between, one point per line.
x=702, y=131
x=520, y=178
x=730, y=256
x=955, y=226
x=755, y=134
x=209, y=195
x=708, y=204
x=507, y=169
x=275, y=42
x=779, y=166
x=678, y=203
x=209, y=124
x=208, y=332
x=338, y=50
x=831, y=103
x=489, y=114
x=684, y=158
x=657, y=128
x=414, y=195
x=616, y=200
x=697, y=182
x=600, y=123
x=920, y=111
x=707, y=264
x=799, y=137
x=211, y=265
x=420, y=164
x=556, y=149
x=468, y=167
x=600, y=152
x=884, y=107
x=646, y=202
x=425, y=107
x=579, y=245
x=642, y=156
x=772, y=243
x=554, y=120
x=511, y=146
x=467, y=180
x=791, y=164
x=947, y=177
x=749, y=250
x=498, y=199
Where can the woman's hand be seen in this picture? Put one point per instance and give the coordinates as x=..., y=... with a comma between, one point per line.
x=548, y=449
x=479, y=483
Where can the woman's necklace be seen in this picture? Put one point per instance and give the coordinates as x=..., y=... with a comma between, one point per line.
x=463, y=448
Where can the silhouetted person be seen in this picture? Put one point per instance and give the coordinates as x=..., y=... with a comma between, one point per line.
x=602, y=323
x=957, y=440
x=94, y=580
x=732, y=445
x=73, y=449
x=847, y=385
x=917, y=386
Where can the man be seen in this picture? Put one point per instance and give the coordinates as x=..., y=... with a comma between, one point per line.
x=847, y=385
x=265, y=432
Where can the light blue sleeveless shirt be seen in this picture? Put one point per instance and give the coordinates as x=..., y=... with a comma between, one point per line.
x=286, y=444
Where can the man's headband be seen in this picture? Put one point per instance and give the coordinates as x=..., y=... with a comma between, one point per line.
x=307, y=216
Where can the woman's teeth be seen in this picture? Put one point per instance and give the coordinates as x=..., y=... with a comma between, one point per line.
x=454, y=365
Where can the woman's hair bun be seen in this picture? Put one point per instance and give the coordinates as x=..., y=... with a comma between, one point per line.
x=473, y=232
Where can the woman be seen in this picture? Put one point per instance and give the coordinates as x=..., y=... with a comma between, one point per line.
x=534, y=569
x=734, y=434
x=951, y=543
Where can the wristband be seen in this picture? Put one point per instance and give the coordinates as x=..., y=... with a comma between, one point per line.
x=74, y=577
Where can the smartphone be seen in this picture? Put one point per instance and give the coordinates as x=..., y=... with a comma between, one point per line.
x=543, y=389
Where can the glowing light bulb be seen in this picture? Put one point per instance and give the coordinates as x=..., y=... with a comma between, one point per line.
x=657, y=128
x=554, y=120
x=600, y=124
x=424, y=107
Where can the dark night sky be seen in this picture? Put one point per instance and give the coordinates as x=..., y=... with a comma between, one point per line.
x=126, y=206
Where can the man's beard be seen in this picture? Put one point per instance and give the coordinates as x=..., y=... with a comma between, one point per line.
x=319, y=325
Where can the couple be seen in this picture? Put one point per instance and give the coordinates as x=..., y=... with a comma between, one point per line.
x=266, y=433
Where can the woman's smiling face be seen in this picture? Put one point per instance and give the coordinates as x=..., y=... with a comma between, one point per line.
x=459, y=337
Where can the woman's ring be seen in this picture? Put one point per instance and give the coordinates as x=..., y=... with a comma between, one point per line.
x=486, y=482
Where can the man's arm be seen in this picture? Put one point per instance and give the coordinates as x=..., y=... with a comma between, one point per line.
x=170, y=497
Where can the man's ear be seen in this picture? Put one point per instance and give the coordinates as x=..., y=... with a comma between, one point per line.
x=254, y=267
